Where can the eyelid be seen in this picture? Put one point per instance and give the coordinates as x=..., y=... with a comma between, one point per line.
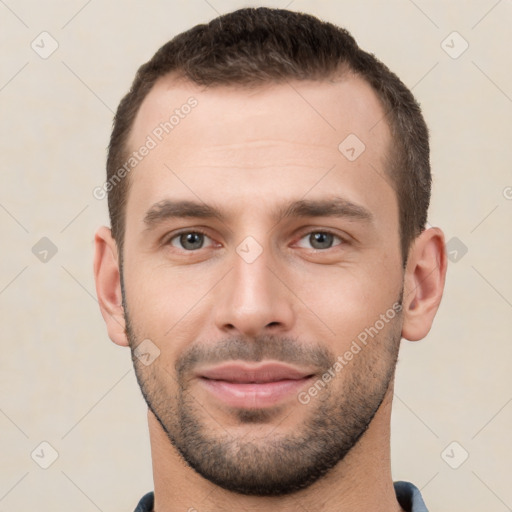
x=169, y=237
x=343, y=239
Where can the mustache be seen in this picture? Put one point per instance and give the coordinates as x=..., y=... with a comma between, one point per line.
x=283, y=349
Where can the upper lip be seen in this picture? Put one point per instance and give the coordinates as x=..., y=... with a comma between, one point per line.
x=260, y=373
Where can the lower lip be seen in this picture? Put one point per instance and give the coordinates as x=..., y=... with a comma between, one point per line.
x=253, y=396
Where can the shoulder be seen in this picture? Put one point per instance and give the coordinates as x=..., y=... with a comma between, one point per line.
x=409, y=497
x=146, y=503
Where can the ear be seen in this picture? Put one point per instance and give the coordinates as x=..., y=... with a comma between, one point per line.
x=423, y=283
x=108, y=285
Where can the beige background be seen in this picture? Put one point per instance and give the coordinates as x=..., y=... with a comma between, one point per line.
x=63, y=382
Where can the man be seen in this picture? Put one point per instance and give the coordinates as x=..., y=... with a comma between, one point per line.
x=268, y=185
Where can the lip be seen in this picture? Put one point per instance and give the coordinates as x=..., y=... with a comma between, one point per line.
x=253, y=374
x=253, y=386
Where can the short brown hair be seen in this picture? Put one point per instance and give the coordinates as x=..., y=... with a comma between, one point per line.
x=255, y=46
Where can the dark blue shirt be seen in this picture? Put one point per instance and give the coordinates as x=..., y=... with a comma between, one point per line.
x=407, y=494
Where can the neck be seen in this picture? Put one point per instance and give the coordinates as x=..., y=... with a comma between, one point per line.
x=361, y=481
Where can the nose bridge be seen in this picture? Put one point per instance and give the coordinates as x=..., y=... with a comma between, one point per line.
x=253, y=299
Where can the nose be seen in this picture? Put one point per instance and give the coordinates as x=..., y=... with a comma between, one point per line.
x=253, y=299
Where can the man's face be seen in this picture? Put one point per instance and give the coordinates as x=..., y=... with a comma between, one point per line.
x=290, y=253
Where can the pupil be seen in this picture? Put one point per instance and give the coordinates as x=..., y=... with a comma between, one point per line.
x=192, y=240
x=321, y=240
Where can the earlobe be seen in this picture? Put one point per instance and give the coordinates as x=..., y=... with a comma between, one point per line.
x=108, y=285
x=424, y=283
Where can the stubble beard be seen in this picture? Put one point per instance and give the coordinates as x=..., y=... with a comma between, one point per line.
x=278, y=464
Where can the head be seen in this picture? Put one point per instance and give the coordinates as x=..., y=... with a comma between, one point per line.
x=279, y=218
x=255, y=47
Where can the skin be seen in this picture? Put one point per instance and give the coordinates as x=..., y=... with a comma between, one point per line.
x=249, y=153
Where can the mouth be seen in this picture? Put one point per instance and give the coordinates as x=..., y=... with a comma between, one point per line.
x=253, y=386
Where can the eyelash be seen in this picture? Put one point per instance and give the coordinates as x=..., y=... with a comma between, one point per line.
x=184, y=232
x=342, y=240
x=324, y=232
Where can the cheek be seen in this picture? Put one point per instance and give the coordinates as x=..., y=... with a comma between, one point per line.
x=160, y=295
x=341, y=302
x=166, y=306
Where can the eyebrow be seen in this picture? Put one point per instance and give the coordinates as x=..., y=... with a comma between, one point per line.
x=168, y=209
x=335, y=207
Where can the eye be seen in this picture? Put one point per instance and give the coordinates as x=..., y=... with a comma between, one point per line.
x=319, y=240
x=189, y=240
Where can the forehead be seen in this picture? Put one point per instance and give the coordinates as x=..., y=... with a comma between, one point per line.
x=258, y=137
x=328, y=108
